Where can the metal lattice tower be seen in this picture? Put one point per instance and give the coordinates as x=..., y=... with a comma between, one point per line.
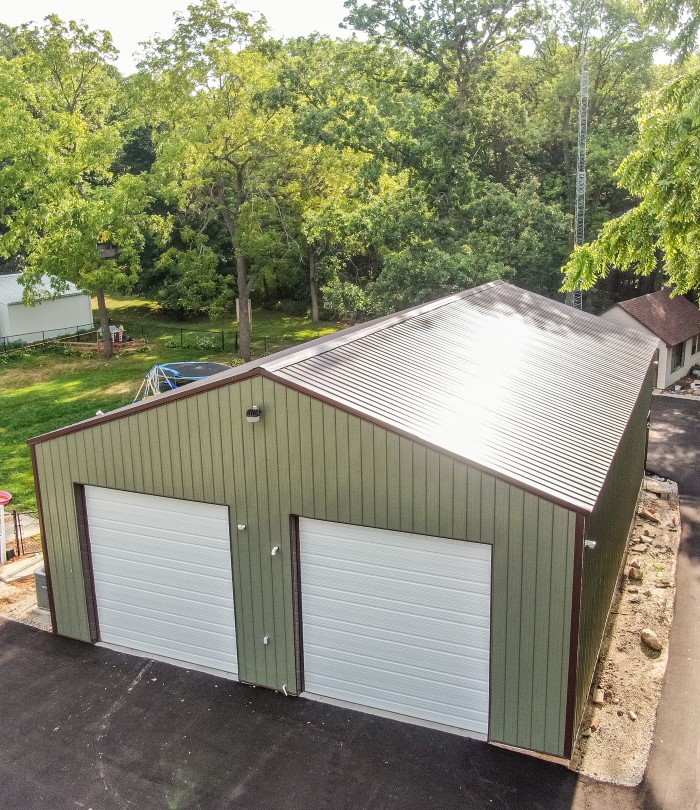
x=580, y=212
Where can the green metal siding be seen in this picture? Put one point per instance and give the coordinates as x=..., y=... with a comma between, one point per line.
x=308, y=458
x=609, y=525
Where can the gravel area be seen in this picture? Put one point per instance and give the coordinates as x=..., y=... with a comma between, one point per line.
x=617, y=728
x=18, y=602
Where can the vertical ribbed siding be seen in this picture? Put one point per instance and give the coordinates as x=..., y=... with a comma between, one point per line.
x=307, y=458
x=609, y=526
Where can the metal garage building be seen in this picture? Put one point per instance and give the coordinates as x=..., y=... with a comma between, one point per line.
x=403, y=529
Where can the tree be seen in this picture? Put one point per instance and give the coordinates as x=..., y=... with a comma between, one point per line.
x=222, y=153
x=663, y=171
x=62, y=128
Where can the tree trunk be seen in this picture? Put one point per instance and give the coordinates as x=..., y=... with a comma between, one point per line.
x=313, y=283
x=244, y=287
x=104, y=325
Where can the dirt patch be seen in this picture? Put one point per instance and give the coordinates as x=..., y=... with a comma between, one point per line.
x=618, y=724
x=18, y=602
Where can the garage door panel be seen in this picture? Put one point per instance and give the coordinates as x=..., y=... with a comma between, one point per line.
x=177, y=651
x=388, y=648
x=395, y=600
x=370, y=562
x=200, y=611
x=160, y=624
x=411, y=665
x=148, y=568
x=387, y=626
x=208, y=542
x=434, y=710
x=179, y=600
x=397, y=622
x=162, y=573
x=412, y=690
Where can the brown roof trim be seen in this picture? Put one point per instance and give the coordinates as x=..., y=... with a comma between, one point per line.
x=44, y=548
x=577, y=580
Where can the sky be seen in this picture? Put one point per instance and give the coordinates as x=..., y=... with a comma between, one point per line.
x=133, y=21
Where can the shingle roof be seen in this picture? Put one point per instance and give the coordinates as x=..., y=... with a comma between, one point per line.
x=534, y=391
x=11, y=291
x=673, y=320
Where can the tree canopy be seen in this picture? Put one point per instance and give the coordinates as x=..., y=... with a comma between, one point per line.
x=349, y=176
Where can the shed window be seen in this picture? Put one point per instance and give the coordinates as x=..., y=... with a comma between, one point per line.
x=696, y=344
x=677, y=356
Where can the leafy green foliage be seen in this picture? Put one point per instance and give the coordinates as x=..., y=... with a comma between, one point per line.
x=662, y=171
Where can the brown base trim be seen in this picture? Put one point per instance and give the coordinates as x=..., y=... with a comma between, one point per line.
x=577, y=584
x=86, y=559
x=44, y=547
x=536, y=754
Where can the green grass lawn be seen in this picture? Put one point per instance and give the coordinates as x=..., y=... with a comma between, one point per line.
x=42, y=392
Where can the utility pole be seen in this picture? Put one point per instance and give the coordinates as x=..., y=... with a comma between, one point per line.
x=580, y=211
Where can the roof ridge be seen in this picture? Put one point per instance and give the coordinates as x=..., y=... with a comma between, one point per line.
x=344, y=336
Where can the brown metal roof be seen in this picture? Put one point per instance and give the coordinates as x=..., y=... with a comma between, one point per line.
x=673, y=320
x=533, y=391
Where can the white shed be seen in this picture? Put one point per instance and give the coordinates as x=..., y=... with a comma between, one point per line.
x=49, y=318
x=674, y=322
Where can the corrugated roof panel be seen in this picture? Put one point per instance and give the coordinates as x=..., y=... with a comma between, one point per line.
x=671, y=319
x=503, y=378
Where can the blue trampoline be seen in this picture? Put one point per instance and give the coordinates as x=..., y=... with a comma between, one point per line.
x=169, y=376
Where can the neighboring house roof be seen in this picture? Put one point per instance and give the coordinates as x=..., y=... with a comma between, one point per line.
x=529, y=389
x=11, y=291
x=673, y=320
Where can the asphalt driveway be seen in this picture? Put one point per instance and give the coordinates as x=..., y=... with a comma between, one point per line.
x=84, y=727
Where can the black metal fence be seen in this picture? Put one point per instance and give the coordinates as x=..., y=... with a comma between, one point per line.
x=203, y=341
x=38, y=337
x=23, y=533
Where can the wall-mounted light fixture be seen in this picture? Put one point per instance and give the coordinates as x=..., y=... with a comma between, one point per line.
x=275, y=551
x=241, y=527
x=590, y=544
x=253, y=414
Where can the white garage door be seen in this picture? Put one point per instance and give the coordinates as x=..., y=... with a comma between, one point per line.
x=163, y=582
x=397, y=623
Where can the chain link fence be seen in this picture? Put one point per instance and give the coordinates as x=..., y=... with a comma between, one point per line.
x=22, y=533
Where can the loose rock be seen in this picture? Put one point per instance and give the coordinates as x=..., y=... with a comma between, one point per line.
x=650, y=638
x=633, y=716
x=598, y=697
x=635, y=574
x=639, y=548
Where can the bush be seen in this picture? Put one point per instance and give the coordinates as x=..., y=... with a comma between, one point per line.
x=290, y=306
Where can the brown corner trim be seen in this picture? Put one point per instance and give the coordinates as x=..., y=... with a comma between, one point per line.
x=296, y=602
x=577, y=582
x=86, y=560
x=44, y=547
